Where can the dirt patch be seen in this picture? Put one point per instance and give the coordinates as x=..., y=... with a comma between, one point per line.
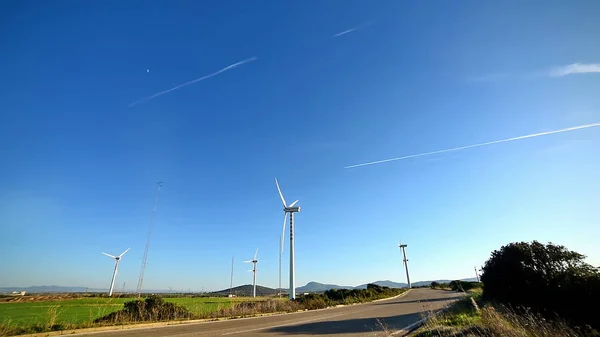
x=39, y=298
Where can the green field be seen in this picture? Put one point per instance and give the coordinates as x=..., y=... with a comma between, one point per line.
x=77, y=312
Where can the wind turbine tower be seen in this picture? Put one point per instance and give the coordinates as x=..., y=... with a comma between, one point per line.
x=280, y=252
x=254, y=270
x=403, y=249
x=114, y=277
x=289, y=209
x=476, y=273
x=159, y=185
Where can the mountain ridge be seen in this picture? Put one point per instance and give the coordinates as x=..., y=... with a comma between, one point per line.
x=243, y=290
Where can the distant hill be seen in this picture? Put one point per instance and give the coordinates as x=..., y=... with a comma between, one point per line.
x=44, y=289
x=246, y=290
x=321, y=287
x=315, y=287
x=386, y=283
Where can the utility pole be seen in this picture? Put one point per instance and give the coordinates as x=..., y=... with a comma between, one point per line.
x=403, y=249
x=231, y=280
x=280, y=252
x=159, y=184
x=476, y=273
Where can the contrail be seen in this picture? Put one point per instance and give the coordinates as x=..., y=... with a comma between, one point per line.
x=345, y=32
x=194, y=81
x=481, y=144
x=351, y=30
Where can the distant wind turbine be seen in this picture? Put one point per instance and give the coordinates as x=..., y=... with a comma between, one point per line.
x=289, y=209
x=114, y=277
x=254, y=270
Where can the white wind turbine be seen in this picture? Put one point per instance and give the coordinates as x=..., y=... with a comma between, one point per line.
x=291, y=210
x=117, y=258
x=254, y=270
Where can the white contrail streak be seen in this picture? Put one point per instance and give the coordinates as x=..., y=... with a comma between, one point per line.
x=481, y=144
x=351, y=30
x=345, y=32
x=194, y=81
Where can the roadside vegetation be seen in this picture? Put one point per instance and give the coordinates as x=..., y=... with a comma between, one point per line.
x=57, y=315
x=528, y=290
x=458, y=286
x=335, y=297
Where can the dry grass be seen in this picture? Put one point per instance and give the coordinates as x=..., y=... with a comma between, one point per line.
x=465, y=318
x=245, y=309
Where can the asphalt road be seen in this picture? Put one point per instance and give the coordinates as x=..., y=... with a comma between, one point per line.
x=355, y=320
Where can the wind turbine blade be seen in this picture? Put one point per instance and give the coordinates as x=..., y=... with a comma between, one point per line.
x=280, y=194
x=293, y=203
x=247, y=261
x=114, y=257
x=124, y=252
x=283, y=231
x=255, y=253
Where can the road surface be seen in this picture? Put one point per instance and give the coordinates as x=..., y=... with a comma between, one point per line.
x=353, y=320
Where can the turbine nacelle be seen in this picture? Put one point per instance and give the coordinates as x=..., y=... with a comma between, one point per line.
x=117, y=257
x=254, y=260
x=287, y=208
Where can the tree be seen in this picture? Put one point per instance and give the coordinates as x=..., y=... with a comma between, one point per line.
x=548, y=279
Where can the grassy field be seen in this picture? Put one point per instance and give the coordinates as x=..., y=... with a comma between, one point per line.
x=82, y=311
x=44, y=313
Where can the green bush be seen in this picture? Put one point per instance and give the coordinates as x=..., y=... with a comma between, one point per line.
x=349, y=296
x=548, y=279
x=458, y=285
x=153, y=308
x=314, y=301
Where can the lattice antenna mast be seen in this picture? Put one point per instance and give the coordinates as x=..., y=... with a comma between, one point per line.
x=159, y=185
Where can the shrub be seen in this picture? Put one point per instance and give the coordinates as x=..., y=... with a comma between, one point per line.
x=242, y=309
x=464, y=285
x=153, y=308
x=548, y=279
x=314, y=301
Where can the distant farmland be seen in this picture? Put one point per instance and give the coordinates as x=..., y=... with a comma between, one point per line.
x=81, y=312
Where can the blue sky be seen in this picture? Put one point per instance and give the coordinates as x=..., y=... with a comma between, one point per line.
x=80, y=163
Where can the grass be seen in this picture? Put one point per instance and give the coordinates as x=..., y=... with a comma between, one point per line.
x=74, y=313
x=30, y=317
x=465, y=318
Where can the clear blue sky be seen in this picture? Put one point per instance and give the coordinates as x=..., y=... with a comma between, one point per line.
x=79, y=164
